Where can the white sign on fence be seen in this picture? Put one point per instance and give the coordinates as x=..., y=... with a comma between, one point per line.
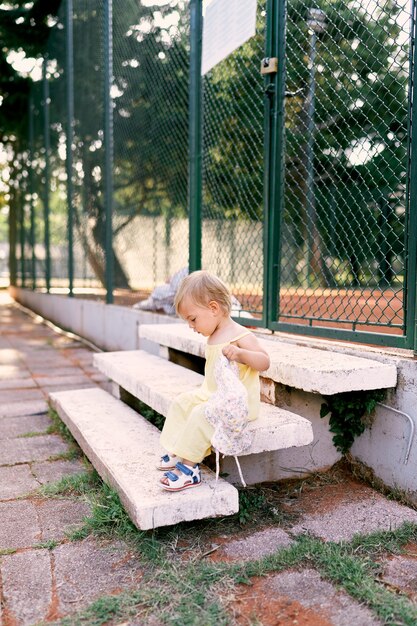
x=227, y=25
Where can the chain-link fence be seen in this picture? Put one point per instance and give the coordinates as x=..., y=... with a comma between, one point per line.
x=151, y=75
x=233, y=173
x=345, y=181
x=304, y=173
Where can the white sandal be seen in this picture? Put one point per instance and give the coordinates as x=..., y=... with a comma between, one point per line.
x=168, y=462
x=189, y=477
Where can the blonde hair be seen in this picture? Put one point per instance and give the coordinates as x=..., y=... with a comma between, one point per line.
x=203, y=287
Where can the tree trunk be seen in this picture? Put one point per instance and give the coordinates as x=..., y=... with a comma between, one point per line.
x=94, y=245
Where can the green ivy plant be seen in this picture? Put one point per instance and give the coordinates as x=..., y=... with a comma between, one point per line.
x=152, y=416
x=347, y=411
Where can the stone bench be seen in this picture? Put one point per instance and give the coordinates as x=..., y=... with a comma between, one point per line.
x=124, y=448
x=309, y=369
x=156, y=382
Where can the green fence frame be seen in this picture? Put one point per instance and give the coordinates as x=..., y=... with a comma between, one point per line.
x=275, y=165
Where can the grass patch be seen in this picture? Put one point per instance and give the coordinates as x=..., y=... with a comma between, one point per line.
x=380, y=543
x=73, y=485
x=358, y=578
x=30, y=434
x=180, y=591
x=49, y=545
x=73, y=453
x=180, y=597
x=108, y=608
x=6, y=551
x=108, y=517
x=253, y=504
x=351, y=566
x=57, y=427
x=102, y=611
x=177, y=592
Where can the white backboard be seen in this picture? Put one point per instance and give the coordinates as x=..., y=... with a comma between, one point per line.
x=227, y=25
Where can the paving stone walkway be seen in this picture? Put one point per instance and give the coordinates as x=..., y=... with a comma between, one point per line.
x=44, y=576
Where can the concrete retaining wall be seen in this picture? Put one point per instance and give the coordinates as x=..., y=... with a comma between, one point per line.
x=107, y=326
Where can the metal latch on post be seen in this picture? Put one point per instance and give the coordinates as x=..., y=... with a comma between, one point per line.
x=269, y=65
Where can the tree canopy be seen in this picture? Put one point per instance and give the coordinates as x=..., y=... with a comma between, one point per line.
x=359, y=126
x=24, y=27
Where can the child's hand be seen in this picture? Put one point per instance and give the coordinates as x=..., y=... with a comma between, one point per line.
x=231, y=352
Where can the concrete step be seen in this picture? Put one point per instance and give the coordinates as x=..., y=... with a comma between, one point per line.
x=301, y=367
x=157, y=382
x=124, y=448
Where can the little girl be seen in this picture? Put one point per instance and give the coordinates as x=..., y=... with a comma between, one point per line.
x=204, y=301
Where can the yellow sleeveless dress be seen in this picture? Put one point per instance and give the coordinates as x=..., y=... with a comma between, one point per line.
x=186, y=432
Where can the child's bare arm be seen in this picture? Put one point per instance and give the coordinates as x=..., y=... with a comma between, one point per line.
x=249, y=352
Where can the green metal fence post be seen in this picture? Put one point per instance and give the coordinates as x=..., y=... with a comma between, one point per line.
x=195, y=135
x=274, y=167
x=13, y=233
x=31, y=192
x=47, y=145
x=108, y=145
x=411, y=210
x=22, y=235
x=70, y=141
